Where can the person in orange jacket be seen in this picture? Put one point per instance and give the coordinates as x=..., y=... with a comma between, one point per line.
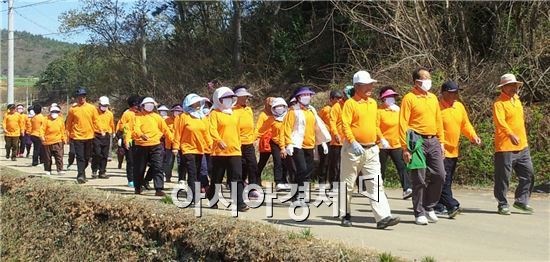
x=124, y=135
x=80, y=126
x=226, y=145
x=147, y=130
x=24, y=118
x=388, y=120
x=53, y=136
x=35, y=126
x=263, y=138
x=104, y=129
x=511, y=147
x=169, y=158
x=14, y=128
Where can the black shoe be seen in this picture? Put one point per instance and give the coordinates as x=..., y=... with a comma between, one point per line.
x=453, y=211
x=168, y=180
x=13, y=159
x=346, y=221
x=137, y=191
x=80, y=180
x=103, y=176
x=214, y=206
x=387, y=222
x=160, y=193
x=243, y=208
x=146, y=186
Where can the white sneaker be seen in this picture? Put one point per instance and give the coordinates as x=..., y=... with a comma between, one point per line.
x=280, y=187
x=48, y=173
x=287, y=186
x=432, y=217
x=421, y=220
x=407, y=193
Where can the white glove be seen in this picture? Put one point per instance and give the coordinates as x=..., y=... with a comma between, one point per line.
x=385, y=144
x=357, y=149
x=289, y=150
x=119, y=142
x=325, y=148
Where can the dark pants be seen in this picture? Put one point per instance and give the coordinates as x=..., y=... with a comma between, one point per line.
x=55, y=150
x=12, y=146
x=148, y=156
x=219, y=165
x=37, y=151
x=322, y=169
x=129, y=163
x=334, y=164
x=250, y=165
x=168, y=164
x=72, y=155
x=83, y=151
x=192, y=163
x=262, y=162
x=520, y=162
x=21, y=148
x=101, y=152
x=427, y=186
x=447, y=200
x=279, y=170
x=397, y=158
x=205, y=170
x=303, y=161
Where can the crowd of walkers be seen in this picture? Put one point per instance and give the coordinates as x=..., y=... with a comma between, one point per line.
x=216, y=137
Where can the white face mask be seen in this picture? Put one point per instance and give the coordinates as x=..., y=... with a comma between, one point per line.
x=426, y=85
x=390, y=101
x=305, y=100
x=177, y=113
x=206, y=111
x=103, y=108
x=148, y=107
x=280, y=110
x=20, y=110
x=227, y=102
x=163, y=113
x=54, y=115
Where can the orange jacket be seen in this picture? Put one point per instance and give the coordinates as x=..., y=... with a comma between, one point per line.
x=335, y=125
x=191, y=135
x=265, y=137
x=389, y=126
x=13, y=124
x=53, y=131
x=455, y=122
x=36, y=124
x=285, y=138
x=509, y=119
x=225, y=127
x=359, y=121
x=153, y=126
x=80, y=121
x=246, y=124
x=105, y=122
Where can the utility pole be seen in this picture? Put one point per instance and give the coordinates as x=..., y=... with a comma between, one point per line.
x=11, y=43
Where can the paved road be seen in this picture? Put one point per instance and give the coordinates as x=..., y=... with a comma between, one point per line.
x=478, y=234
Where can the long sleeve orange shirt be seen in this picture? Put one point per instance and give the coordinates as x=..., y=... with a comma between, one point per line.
x=36, y=124
x=246, y=124
x=389, y=125
x=80, y=121
x=53, y=131
x=265, y=135
x=509, y=119
x=13, y=124
x=285, y=138
x=359, y=118
x=421, y=113
x=274, y=127
x=335, y=125
x=24, y=119
x=324, y=114
x=225, y=127
x=455, y=121
x=153, y=126
x=191, y=135
x=170, y=123
x=105, y=122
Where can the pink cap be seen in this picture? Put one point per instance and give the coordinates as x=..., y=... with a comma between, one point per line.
x=388, y=92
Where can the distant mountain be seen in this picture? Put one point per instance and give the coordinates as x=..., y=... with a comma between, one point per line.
x=32, y=52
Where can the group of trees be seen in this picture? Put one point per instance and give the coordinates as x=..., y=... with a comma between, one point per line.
x=168, y=49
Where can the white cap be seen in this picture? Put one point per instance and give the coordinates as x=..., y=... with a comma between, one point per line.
x=55, y=108
x=148, y=100
x=278, y=101
x=363, y=77
x=104, y=101
x=53, y=104
x=241, y=91
x=163, y=108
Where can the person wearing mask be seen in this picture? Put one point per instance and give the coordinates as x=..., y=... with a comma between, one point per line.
x=248, y=136
x=360, y=152
x=263, y=138
x=14, y=128
x=147, y=131
x=226, y=145
x=36, y=123
x=124, y=135
x=421, y=136
x=388, y=119
x=511, y=147
x=53, y=137
x=21, y=111
x=191, y=138
x=104, y=128
x=274, y=125
x=168, y=160
x=80, y=126
x=303, y=129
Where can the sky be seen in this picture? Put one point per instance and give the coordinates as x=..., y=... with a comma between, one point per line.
x=42, y=18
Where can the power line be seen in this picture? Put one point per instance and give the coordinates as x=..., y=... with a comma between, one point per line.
x=33, y=22
x=34, y=4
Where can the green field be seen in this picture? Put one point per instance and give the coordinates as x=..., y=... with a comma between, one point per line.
x=20, y=81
